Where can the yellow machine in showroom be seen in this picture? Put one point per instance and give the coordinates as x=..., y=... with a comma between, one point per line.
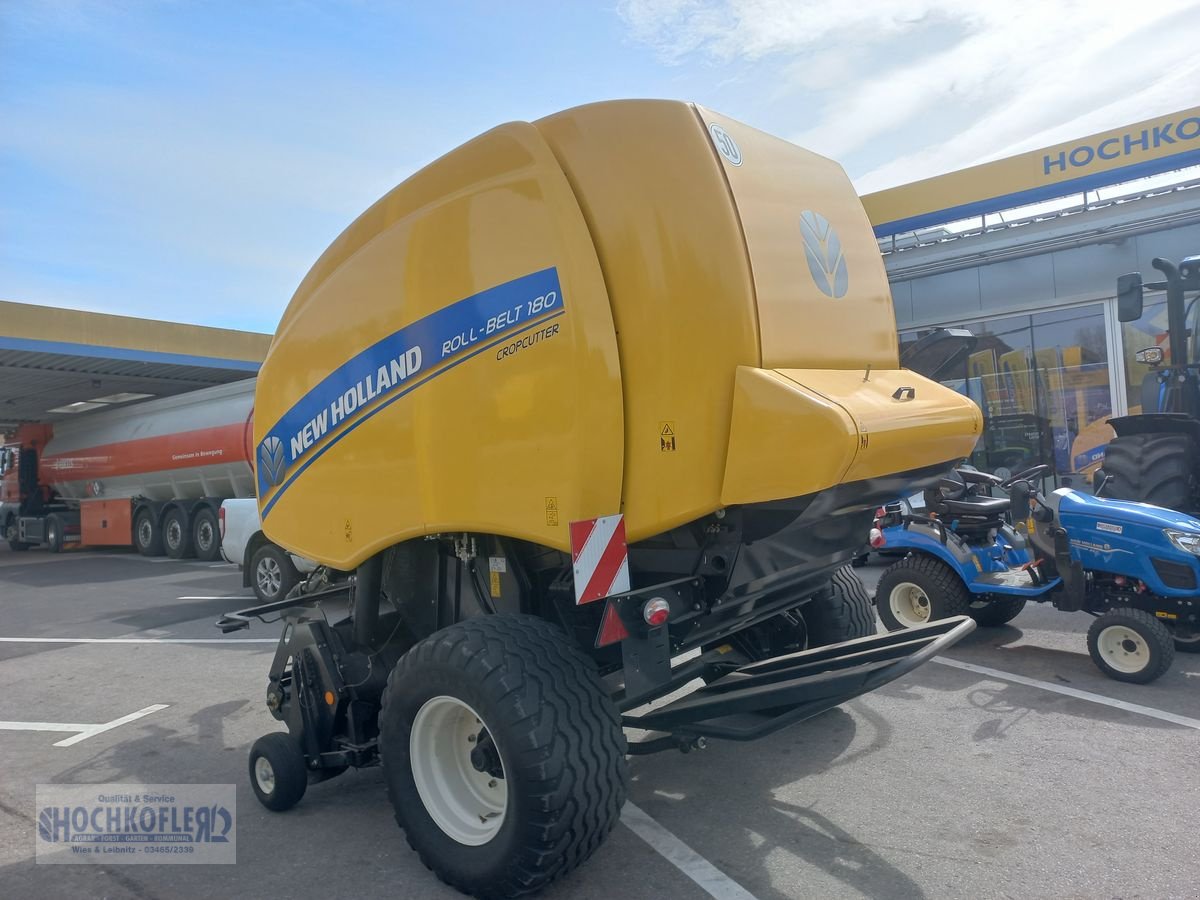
x=581, y=396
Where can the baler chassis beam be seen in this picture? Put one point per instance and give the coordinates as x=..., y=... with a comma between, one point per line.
x=236, y=621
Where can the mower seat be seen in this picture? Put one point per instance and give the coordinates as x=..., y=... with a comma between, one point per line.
x=976, y=507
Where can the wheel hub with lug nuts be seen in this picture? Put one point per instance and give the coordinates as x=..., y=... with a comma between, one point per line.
x=909, y=604
x=458, y=771
x=1123, y=649
x=264, y=775
x=269, y=576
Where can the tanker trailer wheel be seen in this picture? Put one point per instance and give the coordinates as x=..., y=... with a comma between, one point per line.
x=503, y=755
x=278, y=775
x=842, y=612
x=917, y=590
x=177, y=534
x=995, y=610
x=272, y=573
x=11, y=531
x=147, y=535
x=206, y=538
x=1130, y=645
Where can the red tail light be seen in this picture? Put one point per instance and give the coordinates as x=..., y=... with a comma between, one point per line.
x=656, y=612
x=221, y=521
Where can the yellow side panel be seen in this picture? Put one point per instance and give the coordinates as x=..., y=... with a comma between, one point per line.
x=787, y=441
x=509, y=423
x=823, y=295
x=668, y=238
x=800, y=431
x=904, y=420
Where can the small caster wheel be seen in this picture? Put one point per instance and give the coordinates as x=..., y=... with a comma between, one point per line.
x=278, y=774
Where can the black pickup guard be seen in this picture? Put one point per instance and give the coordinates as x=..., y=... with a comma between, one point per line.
x=763, y=697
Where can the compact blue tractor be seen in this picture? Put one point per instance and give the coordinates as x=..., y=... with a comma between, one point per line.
x=1135, y=567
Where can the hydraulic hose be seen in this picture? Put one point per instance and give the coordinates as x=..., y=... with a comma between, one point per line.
x=366, y=600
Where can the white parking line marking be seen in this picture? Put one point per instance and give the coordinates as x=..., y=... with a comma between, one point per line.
x=46, y=640
x=1150, y=711
x=230, y=599
x=84, y=731
x=711, y=880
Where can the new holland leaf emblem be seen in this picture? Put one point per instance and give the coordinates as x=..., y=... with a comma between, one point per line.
x=823, y=248
x=271, y=459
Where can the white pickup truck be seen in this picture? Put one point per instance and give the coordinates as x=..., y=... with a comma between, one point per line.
x=266, y=567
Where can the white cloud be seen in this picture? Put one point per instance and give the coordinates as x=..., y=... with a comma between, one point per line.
x=756, y=28
x=903, y=91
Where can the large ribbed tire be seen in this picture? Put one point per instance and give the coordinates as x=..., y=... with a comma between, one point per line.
x=147, y=534
x=842, y=612
x=1129, y=644
x=206, y=535
x=177, y=534
x=550, y=777
x=917, y=590
x=1152, y=468
x=996, y=610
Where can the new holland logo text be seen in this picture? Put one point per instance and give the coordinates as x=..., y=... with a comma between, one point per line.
x=823, y=249
x=376, y=376
x=363, y=392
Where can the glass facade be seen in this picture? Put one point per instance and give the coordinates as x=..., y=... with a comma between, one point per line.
x=1042, y=381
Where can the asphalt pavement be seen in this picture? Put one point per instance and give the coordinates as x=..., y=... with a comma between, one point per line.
x=1009, y=768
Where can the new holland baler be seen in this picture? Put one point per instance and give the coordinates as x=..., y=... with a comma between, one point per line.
x=581, y=396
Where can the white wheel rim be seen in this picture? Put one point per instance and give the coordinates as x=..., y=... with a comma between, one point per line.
x=145, y=532
x=1123, y=649
x=264, y=775
x=174, y=533
x=909, y=604
x=269, y=576
x=204, y=535
x=468, y=805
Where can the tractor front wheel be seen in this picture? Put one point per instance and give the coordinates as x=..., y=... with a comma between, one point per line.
x=1130, y=645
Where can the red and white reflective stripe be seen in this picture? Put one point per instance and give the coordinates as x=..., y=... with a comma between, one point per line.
x=600, y=557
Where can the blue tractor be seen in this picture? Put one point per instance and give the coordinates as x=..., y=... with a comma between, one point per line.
x=1135, y=567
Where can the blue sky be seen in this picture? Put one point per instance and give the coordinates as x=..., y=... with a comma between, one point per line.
x=190, y=160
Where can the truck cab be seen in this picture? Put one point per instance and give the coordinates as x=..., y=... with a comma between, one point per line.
x=31, y=512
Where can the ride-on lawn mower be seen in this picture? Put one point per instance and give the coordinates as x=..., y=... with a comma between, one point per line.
x=1135, y=567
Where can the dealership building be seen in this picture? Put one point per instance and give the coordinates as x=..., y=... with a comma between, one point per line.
x=1025, y=253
